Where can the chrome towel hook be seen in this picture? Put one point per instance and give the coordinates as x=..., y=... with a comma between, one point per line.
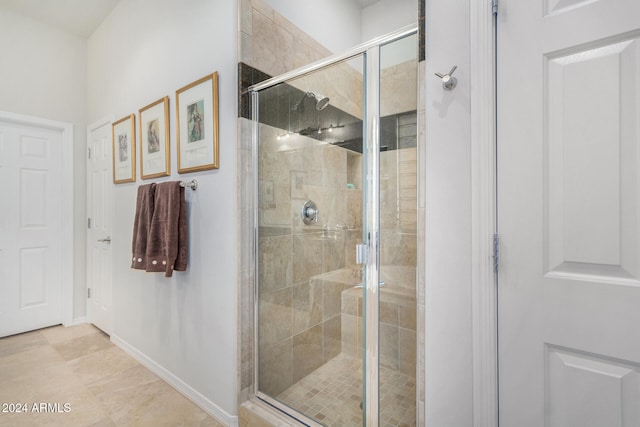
x=448, y=81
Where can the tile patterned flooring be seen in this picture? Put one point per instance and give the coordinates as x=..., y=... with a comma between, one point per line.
x=332, y=393
x=78, y=369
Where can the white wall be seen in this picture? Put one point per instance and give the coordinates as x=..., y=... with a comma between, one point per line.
x=187, y=324
x=448, y=347
x=43, y=74
x=386, y=16
x=336, y=24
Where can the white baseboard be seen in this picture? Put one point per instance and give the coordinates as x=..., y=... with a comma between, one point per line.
x=196, y=397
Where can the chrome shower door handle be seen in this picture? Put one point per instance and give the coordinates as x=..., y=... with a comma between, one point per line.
x=361, y=253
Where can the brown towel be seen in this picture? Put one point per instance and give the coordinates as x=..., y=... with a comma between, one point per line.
x=141, y=224
x=167, y=244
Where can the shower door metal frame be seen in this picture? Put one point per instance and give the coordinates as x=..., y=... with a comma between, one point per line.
x=371, y=226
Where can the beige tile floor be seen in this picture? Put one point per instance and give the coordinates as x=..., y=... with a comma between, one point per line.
x=84, y=380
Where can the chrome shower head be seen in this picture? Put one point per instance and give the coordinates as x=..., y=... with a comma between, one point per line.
x=321, y=102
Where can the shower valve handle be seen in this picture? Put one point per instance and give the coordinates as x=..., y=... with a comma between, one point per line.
x=309, y=212
x=448, y=81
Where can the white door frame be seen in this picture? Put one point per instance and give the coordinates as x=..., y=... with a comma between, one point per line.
x=483, y=216
x=66, y=130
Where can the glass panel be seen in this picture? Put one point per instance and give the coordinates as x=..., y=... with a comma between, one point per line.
x=398, y=240
x=310, y=200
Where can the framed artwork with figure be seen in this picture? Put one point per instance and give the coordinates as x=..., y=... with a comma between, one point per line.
x=123, y=141
x=154, y=139
x=197, y=125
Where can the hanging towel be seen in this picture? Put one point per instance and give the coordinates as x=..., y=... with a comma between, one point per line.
x=167, y=244
x=141, y=224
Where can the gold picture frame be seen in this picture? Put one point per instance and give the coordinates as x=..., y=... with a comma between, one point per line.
x=123, y=144
x=197, y=125
x=154, y=139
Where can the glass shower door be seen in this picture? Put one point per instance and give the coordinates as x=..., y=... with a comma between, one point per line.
x=335, y=150
x=397, y=320
x=309, y=218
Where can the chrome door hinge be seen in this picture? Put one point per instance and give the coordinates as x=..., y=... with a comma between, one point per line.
x=89, y=152
x=496, y=252
x=88, y=222
x=88, y=293
x=494, y=7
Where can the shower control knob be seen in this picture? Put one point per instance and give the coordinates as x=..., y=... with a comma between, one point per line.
x=309, y=212
x=448, y=81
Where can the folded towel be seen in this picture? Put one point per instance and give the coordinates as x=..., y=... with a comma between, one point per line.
x=141, y=224
x=167, y=246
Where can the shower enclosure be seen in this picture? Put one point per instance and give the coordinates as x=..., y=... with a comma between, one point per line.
x=335, y=238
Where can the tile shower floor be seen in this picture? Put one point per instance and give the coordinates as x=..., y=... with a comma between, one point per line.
x=332, y=393
x=100, y=384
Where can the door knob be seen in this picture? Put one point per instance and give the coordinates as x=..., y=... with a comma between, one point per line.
x=448, y=81
x=105, y=240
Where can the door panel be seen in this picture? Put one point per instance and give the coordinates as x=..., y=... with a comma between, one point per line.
x=592, y=160
x=99, y=208
x=33, y=277
x=30, y=228
x=568, y=190
x=613, y=385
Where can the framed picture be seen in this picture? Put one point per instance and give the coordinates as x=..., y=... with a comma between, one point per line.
x=197, y=125
x=124, y=149
x=154, y=139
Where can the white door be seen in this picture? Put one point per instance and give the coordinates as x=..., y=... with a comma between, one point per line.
x=99, y=208
x=31, y=220
x=569, y=212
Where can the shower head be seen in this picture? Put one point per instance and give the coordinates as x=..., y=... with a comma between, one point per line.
x=321, y=102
